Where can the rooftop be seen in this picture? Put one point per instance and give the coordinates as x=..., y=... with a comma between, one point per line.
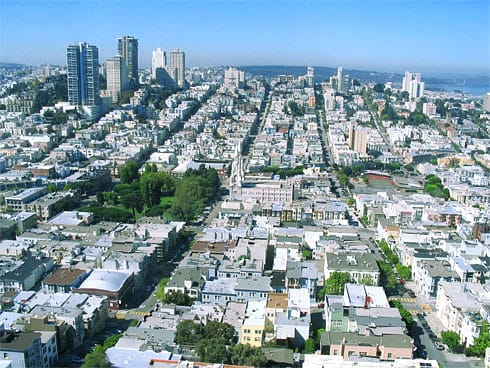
x=111, y=281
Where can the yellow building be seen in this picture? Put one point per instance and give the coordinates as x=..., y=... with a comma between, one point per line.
x=254, y=323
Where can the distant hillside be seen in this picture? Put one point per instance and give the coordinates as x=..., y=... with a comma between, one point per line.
x=322, y=73
x=11, y=66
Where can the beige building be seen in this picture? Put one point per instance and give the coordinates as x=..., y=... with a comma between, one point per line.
x=117, y=76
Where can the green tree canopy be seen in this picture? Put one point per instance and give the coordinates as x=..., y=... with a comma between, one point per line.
x=96, y=359
x=310, y=346
x=451, y=339
x=387, y=277
x=241, y=354
x=155, y=185
x=129, y=172
x=334, y=285
x=111, y=341
x=404, y=313
x=133, y=201
x=213, y=350
x=51, y=188
x=178, y=298
x=482, y=342
x=214, y=329
x=379, y=88
x=188, y=333
x=405, y=272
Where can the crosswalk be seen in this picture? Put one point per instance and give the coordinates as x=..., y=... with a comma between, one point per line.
x=138, y=313
x=127, y=314
x=403, y=300
x=413, y=312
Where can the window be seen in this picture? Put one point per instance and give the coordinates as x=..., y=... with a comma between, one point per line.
x=257, y=339
x=258, y=331
x=335, y=352
x=390, y=355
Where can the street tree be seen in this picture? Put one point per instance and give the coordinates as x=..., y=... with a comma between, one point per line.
x=451, y=339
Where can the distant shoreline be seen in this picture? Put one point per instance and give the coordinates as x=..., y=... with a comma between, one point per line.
x=475, y=91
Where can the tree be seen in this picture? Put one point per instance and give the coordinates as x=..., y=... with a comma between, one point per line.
x=434, y=187
x=404, y=314
x=133, y=201
x=294, y=109
x=334, y=285
x=100, y=198
x=310, y=346
x=214, y=329
x=387, y=277
x=212, y=350
x=365, y=220
x=111, y=341
x=188, y=333
x=410, y=167
x=379, y=88
x=405, y=272
x=451, y=339
x=155, y=185
x=96, y=359
x=110, y=197
x=390, y=255
x=307, y=253
x=51, y=188
x=178, y=298
x=367, y=280
x=482, y=342
x=161, y=288
x=241, y=354
x=129, y=172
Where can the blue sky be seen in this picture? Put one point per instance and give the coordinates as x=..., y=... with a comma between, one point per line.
x=428, y=36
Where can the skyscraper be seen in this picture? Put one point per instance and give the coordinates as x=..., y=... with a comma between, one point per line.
x=413, y=85
x=177, y=63
x=339, y=79
x=310, y=77
x=83, y=74
x=117, y=76
x=158, y=60
x=127, y=47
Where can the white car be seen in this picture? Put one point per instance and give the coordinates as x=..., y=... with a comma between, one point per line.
x=438, y=345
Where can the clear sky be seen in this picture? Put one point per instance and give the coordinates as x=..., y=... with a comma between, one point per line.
x=428, y=36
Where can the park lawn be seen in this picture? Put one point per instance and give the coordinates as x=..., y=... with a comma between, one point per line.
x=167, y=201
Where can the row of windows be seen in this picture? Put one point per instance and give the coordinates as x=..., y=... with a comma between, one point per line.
x=247, y=331
x=249, y=339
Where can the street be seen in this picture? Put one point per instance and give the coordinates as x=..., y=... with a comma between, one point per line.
x=418, y=306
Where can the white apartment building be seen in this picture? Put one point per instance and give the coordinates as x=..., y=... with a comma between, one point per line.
x=158, y=60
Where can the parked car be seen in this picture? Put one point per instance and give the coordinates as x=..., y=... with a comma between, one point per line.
x=438, y=345
x=432, y=336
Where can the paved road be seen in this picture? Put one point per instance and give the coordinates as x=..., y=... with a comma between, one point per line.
x=421, y=334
